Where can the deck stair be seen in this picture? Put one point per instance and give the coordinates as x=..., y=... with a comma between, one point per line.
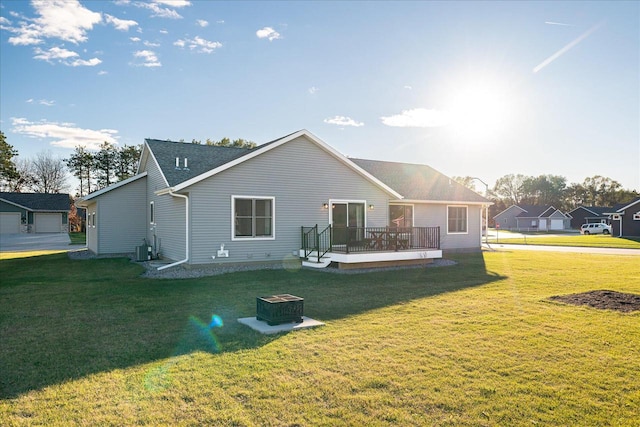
x=313, y=262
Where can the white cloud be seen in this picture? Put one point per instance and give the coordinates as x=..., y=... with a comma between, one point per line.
x=29, y=101
x=202, y=23
x=174, y=3
x=417, y=118
x=47, y=103
x=120, y=24
x=85, y=63
x=198, y=44
x=63, y=56
x=343, y=121
x=150, y=44
x=66, y=135
x=149, y=57
x=66, y=20
x=164, y=32
x=4, y=21
x=135, y=39
x=312, y=90
x=268, y=33
x=221, y=21
x=159, y=12
x=102, y=72
x=408, y=87
x=53, y=53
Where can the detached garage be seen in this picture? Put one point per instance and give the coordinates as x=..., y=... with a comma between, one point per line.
x=34, y=213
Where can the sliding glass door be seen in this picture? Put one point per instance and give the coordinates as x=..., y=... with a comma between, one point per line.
x=347, y=214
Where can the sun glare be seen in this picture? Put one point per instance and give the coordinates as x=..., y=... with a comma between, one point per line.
x=478, y=110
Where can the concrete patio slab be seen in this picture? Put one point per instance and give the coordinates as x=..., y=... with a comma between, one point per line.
x=263, y=328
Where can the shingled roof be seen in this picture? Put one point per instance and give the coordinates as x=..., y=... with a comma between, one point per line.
x=38, y=201
x=200, y=158
x=419, y=182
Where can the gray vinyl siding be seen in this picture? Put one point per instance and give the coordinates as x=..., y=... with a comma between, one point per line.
x=167, y=235
x=120, y=218
x=434, y=215
x=301, y=177
x=507, y=219
x=91, y=231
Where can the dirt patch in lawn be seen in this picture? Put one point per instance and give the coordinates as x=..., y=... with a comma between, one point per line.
x=604, y=300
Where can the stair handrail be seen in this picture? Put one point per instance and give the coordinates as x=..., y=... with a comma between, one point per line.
x=325, y=237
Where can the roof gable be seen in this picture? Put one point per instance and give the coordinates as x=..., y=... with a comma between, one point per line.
x=534, y=211
x=419, y=182
x=225, y=159
x=628, y=205
x=38, y=201
x=82, y=201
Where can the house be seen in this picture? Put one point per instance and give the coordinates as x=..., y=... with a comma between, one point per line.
x=532, y=218
x=34, y=213
x=295, y=196
x=625, y=219
x=588, y=214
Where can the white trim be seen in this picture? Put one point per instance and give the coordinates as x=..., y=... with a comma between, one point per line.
x=413, y=211
x=186, y=226
x=270, y=146
x=636, y=216
x=384, y=256
x=253, y=238
x=443, y=202
x=81, y=202
x=512, y=206
x=15, y=204
x=624, y=208
x=155, y=161
x=467, y=219
x=347, y=201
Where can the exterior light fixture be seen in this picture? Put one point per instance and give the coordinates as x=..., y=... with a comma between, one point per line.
x=370, y=207
x=325, y=206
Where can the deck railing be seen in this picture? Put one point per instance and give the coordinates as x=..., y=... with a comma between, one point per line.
x=369, y=239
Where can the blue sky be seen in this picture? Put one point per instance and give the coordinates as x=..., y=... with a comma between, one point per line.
x=480, y=88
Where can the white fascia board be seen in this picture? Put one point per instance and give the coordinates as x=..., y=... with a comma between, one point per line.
x=81, y=201
x=624, y=208
x=157, y=164
x=442, y=202
x=258, y=151
x=512, y=206
x=16, y=204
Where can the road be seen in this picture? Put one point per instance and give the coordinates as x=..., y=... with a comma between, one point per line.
x=35, y=242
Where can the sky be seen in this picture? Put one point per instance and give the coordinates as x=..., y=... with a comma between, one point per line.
x=480, y=89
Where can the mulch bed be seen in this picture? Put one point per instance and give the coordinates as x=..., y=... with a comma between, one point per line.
x=604, y=300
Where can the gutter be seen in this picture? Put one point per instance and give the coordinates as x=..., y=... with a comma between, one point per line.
x=186, y=204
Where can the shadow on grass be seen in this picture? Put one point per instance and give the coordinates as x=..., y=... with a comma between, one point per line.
x=63, y=320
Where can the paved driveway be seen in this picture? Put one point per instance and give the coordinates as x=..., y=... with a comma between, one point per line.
x=35, y=242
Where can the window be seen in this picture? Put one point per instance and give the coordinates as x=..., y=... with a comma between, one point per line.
x=93, y=219
x=253, y=217
x=152, y=214
x=456, y=219
x=400, y=216
x=636, y=216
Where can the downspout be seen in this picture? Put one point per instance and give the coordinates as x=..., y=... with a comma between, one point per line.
x=186, y=258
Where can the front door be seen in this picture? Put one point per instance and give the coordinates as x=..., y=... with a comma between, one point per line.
x=347, y=214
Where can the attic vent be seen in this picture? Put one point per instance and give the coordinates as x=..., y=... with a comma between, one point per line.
x=185, y=163
x=177, y=162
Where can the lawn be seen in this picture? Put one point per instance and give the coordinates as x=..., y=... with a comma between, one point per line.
x=478, y=343
x=594, y=241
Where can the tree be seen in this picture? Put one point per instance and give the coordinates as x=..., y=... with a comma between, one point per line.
x=49, y=173
x=81, y=165
x=236, y=143
x=105, y=164
x=127, y=161
x=8, y=172
x=509, y=189
x=544, y=190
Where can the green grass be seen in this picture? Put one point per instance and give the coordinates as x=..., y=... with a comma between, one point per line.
x=595, y=241
x=78, y=238
x=89, y=342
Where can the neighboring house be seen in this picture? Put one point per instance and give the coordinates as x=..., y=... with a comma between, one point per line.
x=532, y=218
x=34, y=213
x=588, y=214
x=625, y=219
x=200, y=204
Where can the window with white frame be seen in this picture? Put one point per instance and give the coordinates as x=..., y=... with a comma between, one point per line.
x=152, y=213
x=93, y=219
x=457, y=219
x=636, y=216
x=400, y=216
x=253, y=217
